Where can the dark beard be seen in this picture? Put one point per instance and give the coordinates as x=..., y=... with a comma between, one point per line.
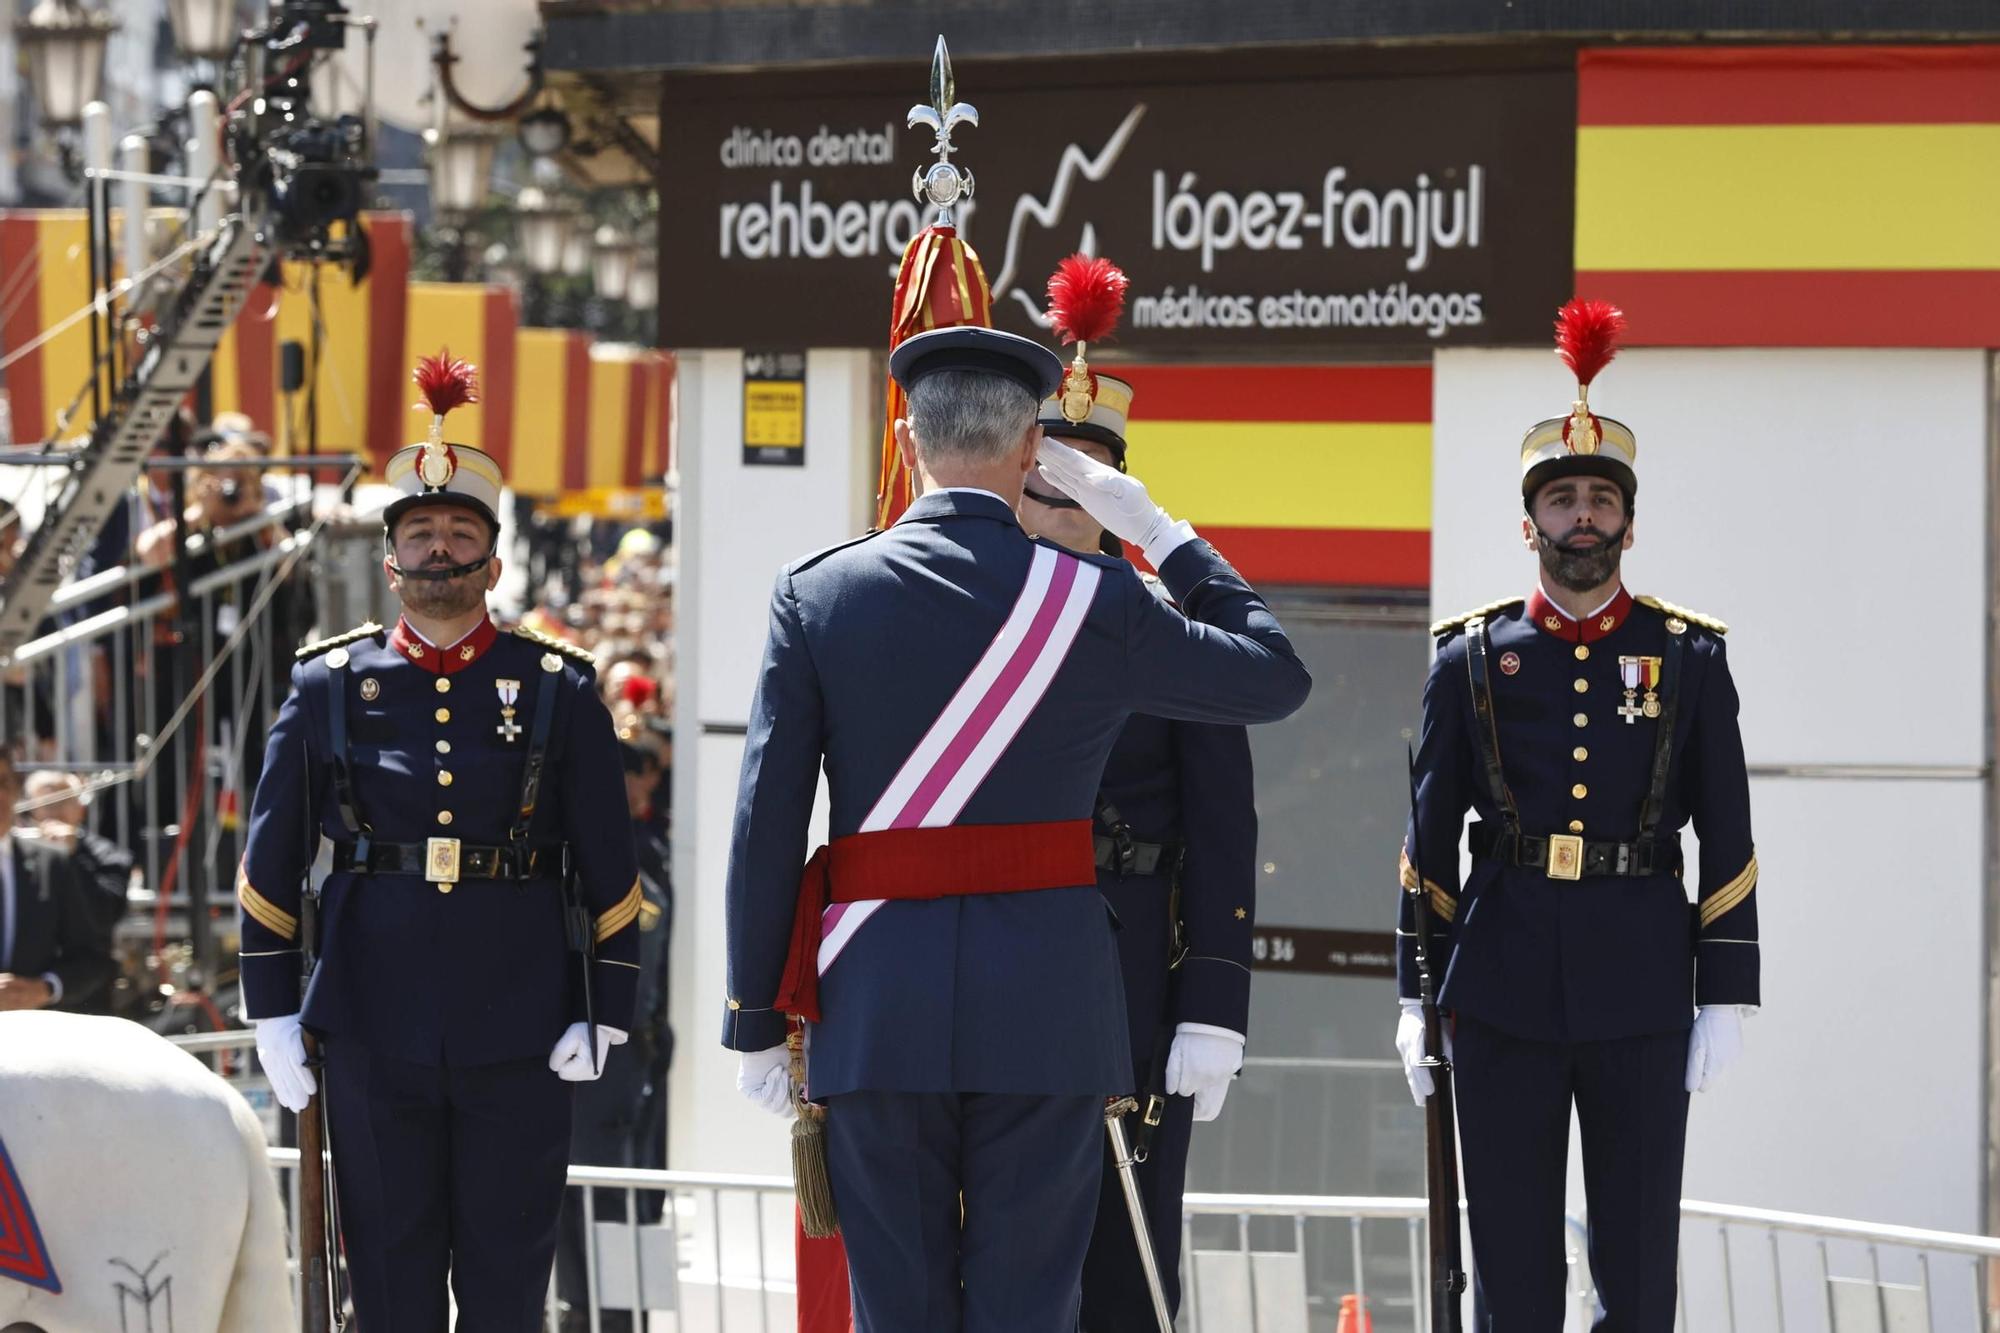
x=1582, y=568
x=444, y=599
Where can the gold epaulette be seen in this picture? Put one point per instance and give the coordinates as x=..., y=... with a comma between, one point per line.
x=313, y=650
x=1452, y=624
x=1672, y=612
x=563, y=646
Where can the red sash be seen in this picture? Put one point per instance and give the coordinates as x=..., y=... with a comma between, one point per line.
x=954, y=861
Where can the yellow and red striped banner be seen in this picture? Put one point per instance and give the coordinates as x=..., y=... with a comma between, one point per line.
x=364, y=388
x=478, y=323
x=1298, y=474
x=1802, y=196
x=628, y=386
x=551, y=411
x=44, y=278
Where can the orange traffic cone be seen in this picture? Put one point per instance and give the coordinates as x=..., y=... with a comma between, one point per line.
x=1354, y=1316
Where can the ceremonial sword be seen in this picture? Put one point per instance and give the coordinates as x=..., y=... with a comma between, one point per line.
x=1128, y=1178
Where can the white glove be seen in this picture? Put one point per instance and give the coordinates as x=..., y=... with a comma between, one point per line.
x=1717, y=1040
x=1410, y=1045
x=571, y=1057
x=281, y=1049
x=1201, y=1064
x=1118, y=502
x=765, y=1077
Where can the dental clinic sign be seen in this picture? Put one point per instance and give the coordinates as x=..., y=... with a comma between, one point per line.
x=1407, y=212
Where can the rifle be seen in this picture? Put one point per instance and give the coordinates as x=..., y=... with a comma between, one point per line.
x=319, y=1228
x=1440, y=1112
x=581, y=928
x=320, y=1302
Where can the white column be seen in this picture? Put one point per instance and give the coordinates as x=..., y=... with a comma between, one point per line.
x=134, y=157
x=97, y=137
x=205, y=154
x=738, y=526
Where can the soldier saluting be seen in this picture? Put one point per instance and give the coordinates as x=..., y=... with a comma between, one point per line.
x=1585, y=728
x=481, y=909
x=961, y=684
x=1177, y=861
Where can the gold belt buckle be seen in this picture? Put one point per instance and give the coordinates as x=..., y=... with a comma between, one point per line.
x=441, y=860
x=1565, y=856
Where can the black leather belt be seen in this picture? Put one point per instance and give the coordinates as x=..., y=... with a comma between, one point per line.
x=449, y=860
x=1138, y=858
x=1568, y=856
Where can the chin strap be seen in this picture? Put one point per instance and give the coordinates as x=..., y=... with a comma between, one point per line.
x=1610, y=538
x=440, y=575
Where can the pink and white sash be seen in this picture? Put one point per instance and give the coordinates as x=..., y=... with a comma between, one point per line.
x=980, y=722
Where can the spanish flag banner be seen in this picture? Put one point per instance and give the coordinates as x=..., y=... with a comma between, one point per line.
x=1801, y=196
x=1299, y=474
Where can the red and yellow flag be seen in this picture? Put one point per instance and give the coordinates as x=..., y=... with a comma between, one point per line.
x=1298, y=474
x=1804, y=196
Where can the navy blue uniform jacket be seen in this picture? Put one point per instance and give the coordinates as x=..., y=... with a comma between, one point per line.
x=1010, y=993
x=1601, y=957
x=483, y=973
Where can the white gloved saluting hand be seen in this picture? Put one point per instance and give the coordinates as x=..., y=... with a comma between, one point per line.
x=571, y=1057
x=1119, y=503
x=281, y=1049
x=765, y=1077
x=1201, y=1064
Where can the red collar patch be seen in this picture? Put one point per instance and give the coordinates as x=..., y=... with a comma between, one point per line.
x=23, y=1255
x=443, y=661
x=1552, y=619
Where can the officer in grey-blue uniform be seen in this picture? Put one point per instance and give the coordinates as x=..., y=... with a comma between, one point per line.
x=481, y=910
x=1177, y=860
x=962, y=683
x=1584, y=728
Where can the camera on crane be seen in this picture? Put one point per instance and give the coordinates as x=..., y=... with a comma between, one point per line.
x=314, y=172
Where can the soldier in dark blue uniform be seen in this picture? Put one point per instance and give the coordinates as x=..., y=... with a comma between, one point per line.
x=1585, y=728
x=482, y=907
x=1177, y=860
x=962, y=683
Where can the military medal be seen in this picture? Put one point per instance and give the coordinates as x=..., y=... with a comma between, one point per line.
x=510, y=694
x=1639, y=673
x=371, y=689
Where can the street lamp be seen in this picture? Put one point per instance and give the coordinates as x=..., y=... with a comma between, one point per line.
x=462, y=167
x=576, y=253
x=612, y=253
x=643, y=291
x=204, y=29
x=545, y=131
x=544, y=228
x=65, y=46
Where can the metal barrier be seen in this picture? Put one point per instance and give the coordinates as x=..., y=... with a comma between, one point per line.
x=726, y=1241
x=155, y=681
x=1842, y=1276
x=720, y=1256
